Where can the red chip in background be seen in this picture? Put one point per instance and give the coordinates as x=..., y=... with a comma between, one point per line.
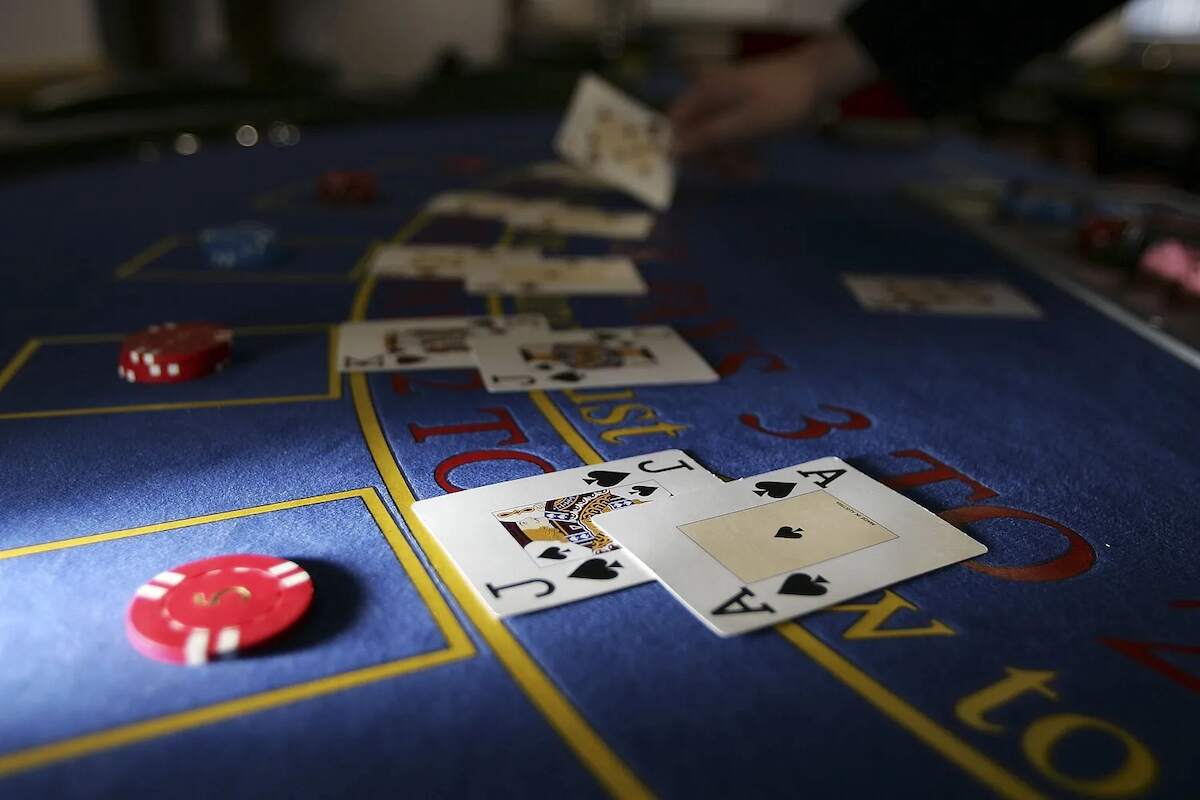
x=347, y=186
x=216, y=607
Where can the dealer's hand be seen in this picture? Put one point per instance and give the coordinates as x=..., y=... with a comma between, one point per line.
x=768, y=94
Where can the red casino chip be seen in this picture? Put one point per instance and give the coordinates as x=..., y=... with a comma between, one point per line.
x=215, y=607
x=174, y=352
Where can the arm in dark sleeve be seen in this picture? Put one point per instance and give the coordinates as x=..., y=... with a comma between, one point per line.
x=944, y=53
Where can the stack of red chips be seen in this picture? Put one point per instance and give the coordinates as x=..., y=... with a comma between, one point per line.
x=174, y=352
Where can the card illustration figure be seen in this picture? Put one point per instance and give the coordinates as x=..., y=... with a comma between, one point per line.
x=423, y=343
x=762, y=550
x=595, y=357
x=561, y=529
x=918, y=294
x=619, y=140
x=522, y=552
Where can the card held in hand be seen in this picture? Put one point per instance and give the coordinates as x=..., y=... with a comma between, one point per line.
x=530, y=544
x=619, y=140
x=762, y=550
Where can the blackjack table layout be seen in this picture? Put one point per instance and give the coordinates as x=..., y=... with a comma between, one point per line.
x=1063, y=663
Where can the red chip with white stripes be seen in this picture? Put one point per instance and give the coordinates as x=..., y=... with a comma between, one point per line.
x=217, y=606
x=174, y=352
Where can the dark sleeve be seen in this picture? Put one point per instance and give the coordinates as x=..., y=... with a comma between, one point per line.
x=943, y=53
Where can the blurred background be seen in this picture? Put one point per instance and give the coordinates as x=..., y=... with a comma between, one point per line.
x=82, y=79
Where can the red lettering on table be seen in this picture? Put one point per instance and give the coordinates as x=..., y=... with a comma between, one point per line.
x=1145, y=654
x=1077, y=559
x=504, y=422
x=938, y=472
x=813, y=428
x=734, y=362
x=403, y=383
x=442, y=473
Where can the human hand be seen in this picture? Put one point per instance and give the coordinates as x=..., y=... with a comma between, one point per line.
x=766, y=95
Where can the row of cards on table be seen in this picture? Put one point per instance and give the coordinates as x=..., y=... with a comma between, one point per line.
x=739, y=555
x=521, y=353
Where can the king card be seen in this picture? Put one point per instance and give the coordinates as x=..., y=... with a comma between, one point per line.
x=530, y=544
x=619, y=140
x=594, y=357
x=758, y=551
x=421, y=343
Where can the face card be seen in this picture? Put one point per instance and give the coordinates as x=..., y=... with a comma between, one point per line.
x=619, y=140
x=423, y=342
x=530, y=544
x=916, y=294
x=596, y=357
x=762, y=550
x=431, y=262
x=598, y=275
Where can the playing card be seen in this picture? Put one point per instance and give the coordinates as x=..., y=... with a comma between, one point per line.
x=525, y=360
x=545, y=214
x=595, y=275
x=577, y=220
x=917, y=294
x=529, y=544
x=619, y=140
x=423, y=342
x=566, y=174
x=437, y=261
x=761, y=550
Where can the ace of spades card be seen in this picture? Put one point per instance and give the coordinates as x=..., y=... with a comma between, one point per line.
x=530, y=543
x=761, y=550
x=619, y=140
x=420, y=343
x=525, y=361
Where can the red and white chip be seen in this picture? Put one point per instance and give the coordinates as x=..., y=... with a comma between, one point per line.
x=174, y=352
x=217, y=606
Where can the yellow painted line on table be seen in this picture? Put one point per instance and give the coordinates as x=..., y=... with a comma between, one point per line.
x=458, y=643
x=945, y=743
x=19, y=360
x=151, y=253
x=592, y=751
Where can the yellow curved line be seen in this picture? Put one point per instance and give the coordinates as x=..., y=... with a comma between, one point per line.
x=458, y=643
x=946, y=744
x=592, y=751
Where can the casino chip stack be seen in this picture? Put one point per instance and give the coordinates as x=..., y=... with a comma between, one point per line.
x=246, y=245
x=216, y=606
x=174, y=352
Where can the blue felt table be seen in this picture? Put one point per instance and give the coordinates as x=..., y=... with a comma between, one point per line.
x=1063, y=663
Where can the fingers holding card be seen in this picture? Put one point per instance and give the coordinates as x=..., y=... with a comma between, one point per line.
x=594, y=357
x=531, y=543
x=762, y=550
